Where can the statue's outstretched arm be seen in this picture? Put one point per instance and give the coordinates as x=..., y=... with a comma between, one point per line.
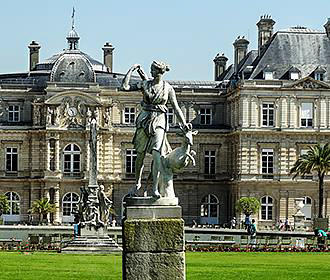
x=125, y=84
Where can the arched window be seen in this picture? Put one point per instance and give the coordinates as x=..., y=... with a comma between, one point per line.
x=69, y=205
x=307, y=209
x=14, y=207
x=209, y=209
x=267, y=208
x=71, y=160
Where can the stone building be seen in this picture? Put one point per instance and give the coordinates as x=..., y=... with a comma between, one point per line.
x=254, y=121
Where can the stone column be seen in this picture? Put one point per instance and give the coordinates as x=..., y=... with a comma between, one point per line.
x=57, y=205
x=153, y=240
x=57, y=155
x=48, y=155
x=47, y=195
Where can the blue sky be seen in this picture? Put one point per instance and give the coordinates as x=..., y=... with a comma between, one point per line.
x=185, y=34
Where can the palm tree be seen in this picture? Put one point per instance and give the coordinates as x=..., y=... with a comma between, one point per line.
x=42, y=207
x=317, y=160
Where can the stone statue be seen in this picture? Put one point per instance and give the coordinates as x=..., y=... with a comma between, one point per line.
x=94, y=205
x=152, y=124
x=106, y=117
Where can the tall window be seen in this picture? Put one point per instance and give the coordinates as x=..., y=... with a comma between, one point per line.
x=170, y=116
x=266, y=208
x=268, y=114
x=267, y=163
x=14, y=205
x=130, y=161
x=206, y=115
x=209, y=164
x=209, y=209
x=72, y=160
x=13, y=113
x=11, y=160
x=129, y=115
x=306, y=119
x=307, y=208
x=69, y=205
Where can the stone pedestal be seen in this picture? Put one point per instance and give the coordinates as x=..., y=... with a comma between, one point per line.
x=299, y=222
x=92, y=242
x=153, y=240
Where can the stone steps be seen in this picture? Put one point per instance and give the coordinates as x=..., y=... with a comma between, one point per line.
x=92, y=245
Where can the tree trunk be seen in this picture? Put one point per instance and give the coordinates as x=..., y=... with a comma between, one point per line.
x=321, y=179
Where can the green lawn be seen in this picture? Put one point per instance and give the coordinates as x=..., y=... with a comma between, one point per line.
x=200, y=266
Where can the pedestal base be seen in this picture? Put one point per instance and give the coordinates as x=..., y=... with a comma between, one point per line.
x=299, y=222
x=153, y=242
x=92, y=242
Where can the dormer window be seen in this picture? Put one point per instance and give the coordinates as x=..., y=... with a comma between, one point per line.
x=319, y=76
x=319, y=73
x=294, y=76
x=269, y=75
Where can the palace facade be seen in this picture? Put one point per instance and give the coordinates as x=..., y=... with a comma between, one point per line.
x=254, y=121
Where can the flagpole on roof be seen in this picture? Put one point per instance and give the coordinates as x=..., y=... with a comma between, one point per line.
x=73, y=11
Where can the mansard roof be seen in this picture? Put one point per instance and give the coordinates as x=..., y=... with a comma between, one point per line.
x=298, y=47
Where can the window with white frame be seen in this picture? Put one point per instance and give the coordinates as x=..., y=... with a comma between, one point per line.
x=129, y=115
x=170, y=117
x=206, y=116
x=14, y=203
x=71, y=160
x=11, y=159
x=306, y=114
x=268, y=114
x=69, y=206
x=210, y=208
x=130, y=161
x=209, y=163
x=294, y=75
x=267, y=163
x=307, y=208
x=319, y=76
x=269, y=76
x=267, y=208
x=13, y=113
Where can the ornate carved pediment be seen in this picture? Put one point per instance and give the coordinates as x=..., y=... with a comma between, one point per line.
x=71, y=109
x=308, y=83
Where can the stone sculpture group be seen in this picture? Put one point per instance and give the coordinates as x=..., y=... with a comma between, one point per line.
x=151, y=129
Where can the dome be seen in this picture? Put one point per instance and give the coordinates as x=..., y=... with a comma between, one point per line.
x=72, y=67
x=72, y=34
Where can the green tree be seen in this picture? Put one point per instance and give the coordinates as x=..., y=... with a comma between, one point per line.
x=42, y=207
x=316, y=160
x=4, y=204
x=247, y=205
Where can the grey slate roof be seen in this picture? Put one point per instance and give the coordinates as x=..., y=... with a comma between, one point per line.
x=304, y=49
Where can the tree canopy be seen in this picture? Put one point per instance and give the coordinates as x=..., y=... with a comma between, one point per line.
x=248, y=205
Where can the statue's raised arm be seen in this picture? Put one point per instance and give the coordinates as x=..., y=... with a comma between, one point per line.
x=126, y=81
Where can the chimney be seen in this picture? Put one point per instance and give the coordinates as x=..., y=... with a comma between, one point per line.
x=265, y=31
x=108, y=56
x=240, y=50
x=34, y=54
x=327, y=28
x=220, y=62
